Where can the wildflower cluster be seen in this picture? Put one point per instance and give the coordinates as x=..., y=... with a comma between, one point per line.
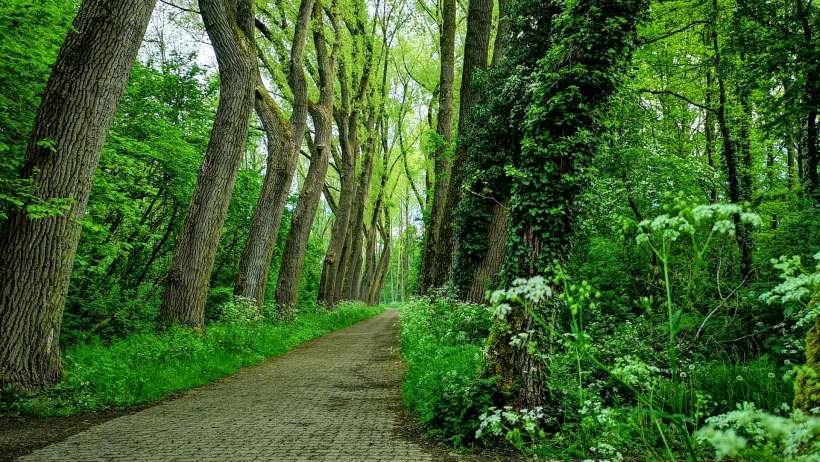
x=668, y=228
x=792, y=438
x=519, y=427
x=798, y=286
x=632, y=371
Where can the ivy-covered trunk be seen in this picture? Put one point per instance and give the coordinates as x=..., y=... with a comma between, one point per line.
x=594, y=39
x=807, y=385
x=476, y=50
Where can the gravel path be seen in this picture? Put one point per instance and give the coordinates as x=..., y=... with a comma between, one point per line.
x=333, y=399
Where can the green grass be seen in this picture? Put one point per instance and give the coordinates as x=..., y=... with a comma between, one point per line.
x=143, y=368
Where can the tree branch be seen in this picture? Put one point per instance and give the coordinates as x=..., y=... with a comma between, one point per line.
x=676, y=95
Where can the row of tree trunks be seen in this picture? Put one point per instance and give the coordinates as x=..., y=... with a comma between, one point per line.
x=383, y=267
x=290, y=271
x=230, y=26
x=283, y=145
x=36, y=255
x=352, y=267
x=444, y=129
x=347, y=121
x=352, y=278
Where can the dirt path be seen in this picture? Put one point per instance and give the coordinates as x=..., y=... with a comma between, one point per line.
x=332, y=399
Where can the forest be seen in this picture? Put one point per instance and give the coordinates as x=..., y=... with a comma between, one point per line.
x=597, y=222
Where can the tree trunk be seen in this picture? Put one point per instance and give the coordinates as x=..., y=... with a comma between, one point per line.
x=229, y=24
x=290, y=272
x=371, y=265
x=709, y=131
x=383, y=266
x=476, y=47
x=811, y=98
x=744, y=231
x=486, y=274
x=78, y=107
x=353, y=268
x=729, y=148
x=283, y=143
x=444, y=129
x=790, y=160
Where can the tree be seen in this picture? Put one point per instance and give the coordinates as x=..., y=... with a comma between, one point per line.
x=476, y=49
x=321, y=112
x=284, y=140
x=444, y=132
x=593, y=39
x=37, y=253
x=230, y=26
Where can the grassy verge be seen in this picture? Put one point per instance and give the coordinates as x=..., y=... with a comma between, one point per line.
x=142, y=368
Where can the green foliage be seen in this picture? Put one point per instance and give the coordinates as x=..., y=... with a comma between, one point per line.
x=748, y=432
x=140, y=192
x=30, y=38
x=441, y=342
x=142, y=368
x=594, y=40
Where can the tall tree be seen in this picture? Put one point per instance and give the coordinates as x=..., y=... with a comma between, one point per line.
x=729, y=143
x=290, y=271
x=485, y=274
x=37, y=254
x=444, y=132
x=476, y=56
x=593, y=38
x=284, y=140
x=230, y=26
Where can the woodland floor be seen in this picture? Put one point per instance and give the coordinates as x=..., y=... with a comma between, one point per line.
x=332, y=399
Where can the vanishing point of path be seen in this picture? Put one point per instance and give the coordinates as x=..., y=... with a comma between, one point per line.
x=333, y=399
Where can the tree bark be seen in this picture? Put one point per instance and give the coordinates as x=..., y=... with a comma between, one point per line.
x=486, y=274
x=229, y=24
x=444, y=129
x=383, y=266
x=36, y=255
x=476, y=47
x=290, y=272
x=283, y=144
